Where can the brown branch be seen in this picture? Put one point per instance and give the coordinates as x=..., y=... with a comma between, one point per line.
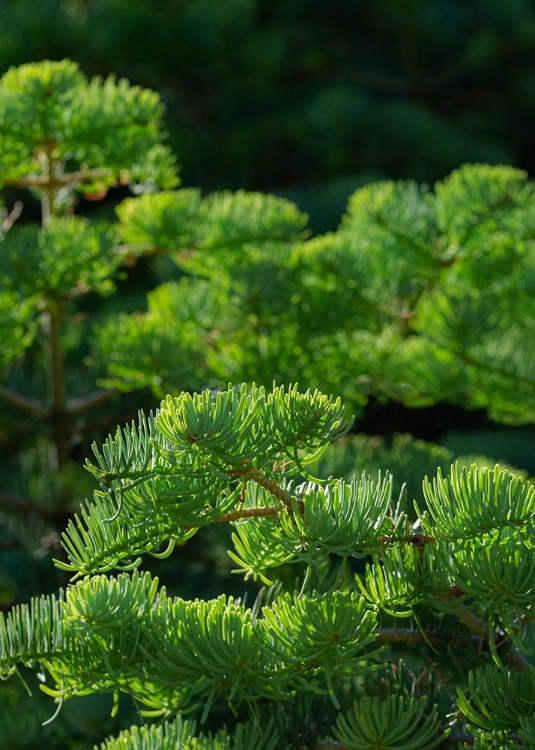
x=270, y=485
x=37, y=408
x=476, y=625
x=470, y=620
x=15, y=502
x=11, y=217
x=58, y=180
x=237, y=515
x=79, y=405
x=407, y=635
x=10, y=544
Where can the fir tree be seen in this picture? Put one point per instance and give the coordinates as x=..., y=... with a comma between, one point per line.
x=380, y=622
x=460, y=577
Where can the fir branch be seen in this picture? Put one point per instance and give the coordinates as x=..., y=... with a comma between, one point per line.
x=52, y=182
x=20, y=504
x=270, y=485
x=408, y=635
x=238, y=515
x=30, y=405
x=100, y=396
x=513, y=657
x=11, y=217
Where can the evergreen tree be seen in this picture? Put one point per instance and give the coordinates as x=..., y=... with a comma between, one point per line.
x=408, y=298
x=461, y=578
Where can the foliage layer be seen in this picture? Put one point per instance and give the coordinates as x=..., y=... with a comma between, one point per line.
x=407, y=299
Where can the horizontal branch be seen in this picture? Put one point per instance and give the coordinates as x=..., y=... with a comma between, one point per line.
x=475, y=624
x=16, y=502
x=408, y=635
x=32, y=406
x=58, y=180
x=40, y=409
x=10, y=544
x=79, y=405
x=237, y=515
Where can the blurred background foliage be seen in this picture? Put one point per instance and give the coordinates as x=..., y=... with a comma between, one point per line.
x=307, y=100
x=301, y=95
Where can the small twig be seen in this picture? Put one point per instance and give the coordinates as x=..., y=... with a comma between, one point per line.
x=15, y=502
x=11, y=218
x=79, y=405
x=407, y=635
x=37, y=408
x=271, y=486
x=237, y=515
x=51, y=182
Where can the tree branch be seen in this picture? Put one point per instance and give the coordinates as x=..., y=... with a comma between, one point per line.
x=237, y=515
x=476, y=625
x=11, y=217
x=58, y=180
x=407, y=635
x=15, y=502
x=79, y=405
x=10, y=544
x=32, y=406
x=271, y=486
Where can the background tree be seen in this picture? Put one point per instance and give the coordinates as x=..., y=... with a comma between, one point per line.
x=61, y=136
x=278, y=95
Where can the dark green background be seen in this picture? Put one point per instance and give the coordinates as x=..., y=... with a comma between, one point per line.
x=280, y=95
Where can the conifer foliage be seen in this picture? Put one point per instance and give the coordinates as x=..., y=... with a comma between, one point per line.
x=379, y=622
x=461, y=577
x=419, y=296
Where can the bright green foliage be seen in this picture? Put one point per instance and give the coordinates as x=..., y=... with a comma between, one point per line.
x=393, y=724
x=172, y=654
x=62, y=137
x=62, y=134
x=407, y=300
x=51, y=116
x=173, y=221
x=38, y=624
x=461, y=576
x=176, y=344
x=40, y=263
x=180, y=735
x=462, y=506
x=203, y=449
